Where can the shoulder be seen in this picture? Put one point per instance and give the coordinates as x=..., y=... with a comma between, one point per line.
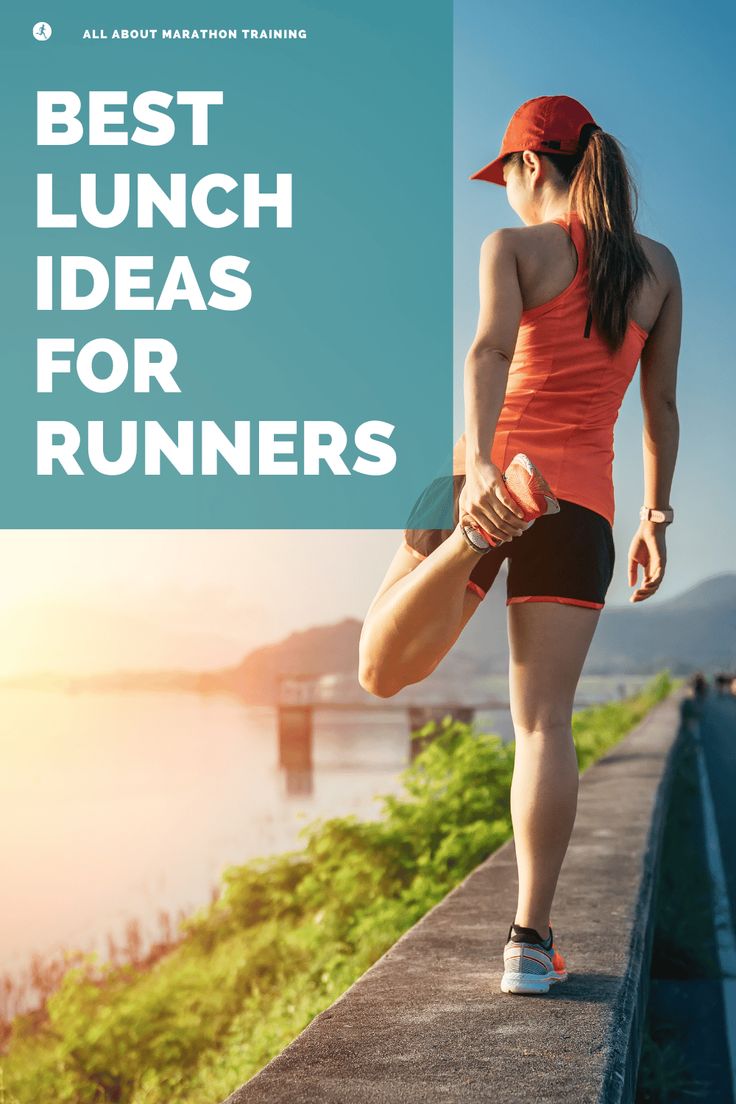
x=499, y=242
x=529, y=246
x=661, y=259
x=518, y=238
x=500, y=254
x=517, y=245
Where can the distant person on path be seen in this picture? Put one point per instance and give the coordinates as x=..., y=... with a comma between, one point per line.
x=700, y=685
x=723, y=682
x=569, y=304
x=690, y=710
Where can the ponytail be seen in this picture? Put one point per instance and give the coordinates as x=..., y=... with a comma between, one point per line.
x=605, y=197
x=603, y=193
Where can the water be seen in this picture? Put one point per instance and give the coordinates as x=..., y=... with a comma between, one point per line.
x=115, y=806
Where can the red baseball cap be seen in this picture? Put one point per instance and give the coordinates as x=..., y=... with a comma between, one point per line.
x=546, y=124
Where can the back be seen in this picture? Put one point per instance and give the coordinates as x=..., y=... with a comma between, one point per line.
x=565, y=388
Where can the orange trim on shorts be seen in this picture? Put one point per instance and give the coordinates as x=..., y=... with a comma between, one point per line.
x=550, y=598
x=470, y=585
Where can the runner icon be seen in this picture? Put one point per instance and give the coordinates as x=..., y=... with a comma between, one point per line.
x=42, y=32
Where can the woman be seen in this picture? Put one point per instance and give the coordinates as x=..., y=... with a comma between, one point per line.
x=569, y=304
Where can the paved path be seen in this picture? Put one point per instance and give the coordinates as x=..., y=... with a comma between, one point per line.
x=428, y=1023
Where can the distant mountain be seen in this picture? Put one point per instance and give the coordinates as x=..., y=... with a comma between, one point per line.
x=306, y=654
x=696, y=630
x=309, y=653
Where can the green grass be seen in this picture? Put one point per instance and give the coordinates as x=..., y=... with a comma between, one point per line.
x=286, y=937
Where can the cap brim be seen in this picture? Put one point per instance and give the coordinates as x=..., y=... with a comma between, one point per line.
x=492, y=172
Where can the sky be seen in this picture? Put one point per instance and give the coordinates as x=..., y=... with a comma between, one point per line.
x=658, y=77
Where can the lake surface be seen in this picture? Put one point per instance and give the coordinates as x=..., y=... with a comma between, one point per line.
x=116, y=806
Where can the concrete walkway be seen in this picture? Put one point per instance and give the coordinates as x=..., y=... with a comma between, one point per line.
x=428, y=1022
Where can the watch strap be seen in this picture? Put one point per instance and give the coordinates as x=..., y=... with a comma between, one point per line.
x=651, y=513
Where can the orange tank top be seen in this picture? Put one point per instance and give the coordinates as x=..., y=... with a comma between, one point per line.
x=565, y=388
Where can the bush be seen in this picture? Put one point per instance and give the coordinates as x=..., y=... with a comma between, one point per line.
x=285, y=938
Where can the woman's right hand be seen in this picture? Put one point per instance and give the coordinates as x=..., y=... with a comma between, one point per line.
x=485, y=502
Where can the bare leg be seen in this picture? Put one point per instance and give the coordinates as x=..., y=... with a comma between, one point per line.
x=549, y=642
x=417, y=615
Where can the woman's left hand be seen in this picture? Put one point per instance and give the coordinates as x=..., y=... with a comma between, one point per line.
x=648, y=548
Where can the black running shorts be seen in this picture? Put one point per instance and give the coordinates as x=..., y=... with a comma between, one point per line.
x=566, y=557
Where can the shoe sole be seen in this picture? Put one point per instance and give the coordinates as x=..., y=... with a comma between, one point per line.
x=519, y=983
x=522, y=460
x=552, y=504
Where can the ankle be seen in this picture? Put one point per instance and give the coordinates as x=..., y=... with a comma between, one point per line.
x=542, y=930
x=462, y=547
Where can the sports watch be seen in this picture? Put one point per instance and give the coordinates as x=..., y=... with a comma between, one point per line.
x=650, y=513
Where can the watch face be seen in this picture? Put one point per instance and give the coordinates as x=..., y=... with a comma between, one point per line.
x=650, y=514
x=478, y=541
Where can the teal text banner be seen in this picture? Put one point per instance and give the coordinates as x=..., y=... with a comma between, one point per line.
x=325, y=401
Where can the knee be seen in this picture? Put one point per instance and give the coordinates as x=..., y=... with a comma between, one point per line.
x=376, y=681
x=375, y=674
x=542, y=727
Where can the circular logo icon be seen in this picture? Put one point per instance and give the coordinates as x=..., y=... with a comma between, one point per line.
x=42, y=32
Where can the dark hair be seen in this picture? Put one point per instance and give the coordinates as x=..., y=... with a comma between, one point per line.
x=603, y=193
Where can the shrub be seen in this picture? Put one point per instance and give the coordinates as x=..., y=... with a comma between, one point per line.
x=286, y=936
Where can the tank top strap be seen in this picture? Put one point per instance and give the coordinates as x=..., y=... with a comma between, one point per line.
x=577, y=233
x=576, y=230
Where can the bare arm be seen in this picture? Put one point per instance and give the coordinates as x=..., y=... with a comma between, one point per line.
x=658, y=385
x=489, y=356
x=484, y=498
